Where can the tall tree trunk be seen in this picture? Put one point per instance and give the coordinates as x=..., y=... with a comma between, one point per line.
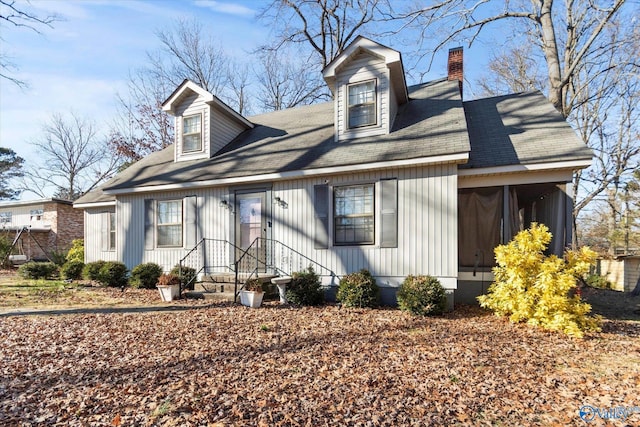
x=550, y=50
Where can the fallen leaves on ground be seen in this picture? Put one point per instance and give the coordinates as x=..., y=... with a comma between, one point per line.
x=274, y=366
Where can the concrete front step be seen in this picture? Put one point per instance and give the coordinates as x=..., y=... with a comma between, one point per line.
x=213, y=296
x=231, y=277
x=221, y=287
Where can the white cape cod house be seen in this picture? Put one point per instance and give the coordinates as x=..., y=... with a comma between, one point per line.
x=395, y=179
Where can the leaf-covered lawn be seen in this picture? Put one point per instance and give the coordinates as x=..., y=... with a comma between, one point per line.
x=231, y=365
x=18, y=293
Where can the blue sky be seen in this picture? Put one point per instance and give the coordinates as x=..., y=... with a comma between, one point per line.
x=81, y=63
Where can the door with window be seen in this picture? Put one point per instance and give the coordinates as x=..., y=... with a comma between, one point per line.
x=251, y=224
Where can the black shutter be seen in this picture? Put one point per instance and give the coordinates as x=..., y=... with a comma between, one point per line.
x=389, y=213
x=321, y=207
x=148, y=224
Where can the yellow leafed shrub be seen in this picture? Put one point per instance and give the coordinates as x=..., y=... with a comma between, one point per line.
x=534, y=288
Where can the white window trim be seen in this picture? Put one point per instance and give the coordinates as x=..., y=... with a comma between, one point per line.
x=376, y=103
x=158, y=225
x=183, y=134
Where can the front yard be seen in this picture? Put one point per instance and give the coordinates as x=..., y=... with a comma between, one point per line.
x=230, y=365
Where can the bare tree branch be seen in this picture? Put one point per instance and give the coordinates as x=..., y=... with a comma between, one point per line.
x=72, y=160
x=18, y=15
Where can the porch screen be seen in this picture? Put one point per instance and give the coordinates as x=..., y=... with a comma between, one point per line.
x=479, y=218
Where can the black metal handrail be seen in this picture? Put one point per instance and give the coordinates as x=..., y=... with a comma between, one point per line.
x=219, y=254
x=248, y=261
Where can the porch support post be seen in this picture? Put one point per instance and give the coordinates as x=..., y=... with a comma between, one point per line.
x=568, y=233
x=506, y=221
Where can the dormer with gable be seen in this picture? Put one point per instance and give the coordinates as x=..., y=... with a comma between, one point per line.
x=203, y=123
x=368, y=85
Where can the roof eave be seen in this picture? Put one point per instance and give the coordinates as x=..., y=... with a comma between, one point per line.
x=456, y=158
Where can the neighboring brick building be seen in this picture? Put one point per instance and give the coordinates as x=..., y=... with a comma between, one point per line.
x=50, y=223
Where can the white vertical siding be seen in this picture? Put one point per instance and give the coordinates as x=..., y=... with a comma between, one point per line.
x=218, y=128
x=93, y=223
x=21, y=216
x=213, y=221
x=393, y=107
x=427, y=224
x=193, y=105
x=223, y=129
x=361, y=68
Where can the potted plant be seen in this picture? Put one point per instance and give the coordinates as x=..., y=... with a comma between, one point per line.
x=169, y=286
x=252, y=294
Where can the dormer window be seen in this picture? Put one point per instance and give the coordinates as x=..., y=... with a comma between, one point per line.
x=362, y=104
x=192, y=133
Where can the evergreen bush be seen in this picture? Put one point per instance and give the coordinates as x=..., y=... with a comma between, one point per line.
x=113, y=274
x=186, y=275
x=597, y=281
x=305, y=288
x=145, y=275
x=58, y=257
x=38, y=270
x=537, y=289
x=422, y=295
x=91, y=271
x=72, y=270
x=358, y=290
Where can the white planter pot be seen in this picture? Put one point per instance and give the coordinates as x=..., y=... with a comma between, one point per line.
x=251, y=298
x=169, y=292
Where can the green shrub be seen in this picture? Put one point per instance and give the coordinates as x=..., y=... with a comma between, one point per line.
x=537, y=289
x=113, y=274
x=91, y=271
x=305, y=288
x=186, y=275
x=38, y=270
x=422, y=295
x=145, y=275
x=76, y=253
x=358, y=290
x=58, y=257
x=72, y=270
x=597, y=281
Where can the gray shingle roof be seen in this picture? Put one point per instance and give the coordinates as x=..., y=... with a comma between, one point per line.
x=500, y=131
x=431, y=124
x=520, y=128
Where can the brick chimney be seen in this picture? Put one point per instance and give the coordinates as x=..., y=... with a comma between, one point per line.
x=454, y=66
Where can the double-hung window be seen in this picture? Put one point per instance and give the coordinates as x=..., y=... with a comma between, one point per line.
x=362, y=104
x=354, y=218
x=169, y=223
x=112, y=231
x=5, y=217
x=192, y=133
